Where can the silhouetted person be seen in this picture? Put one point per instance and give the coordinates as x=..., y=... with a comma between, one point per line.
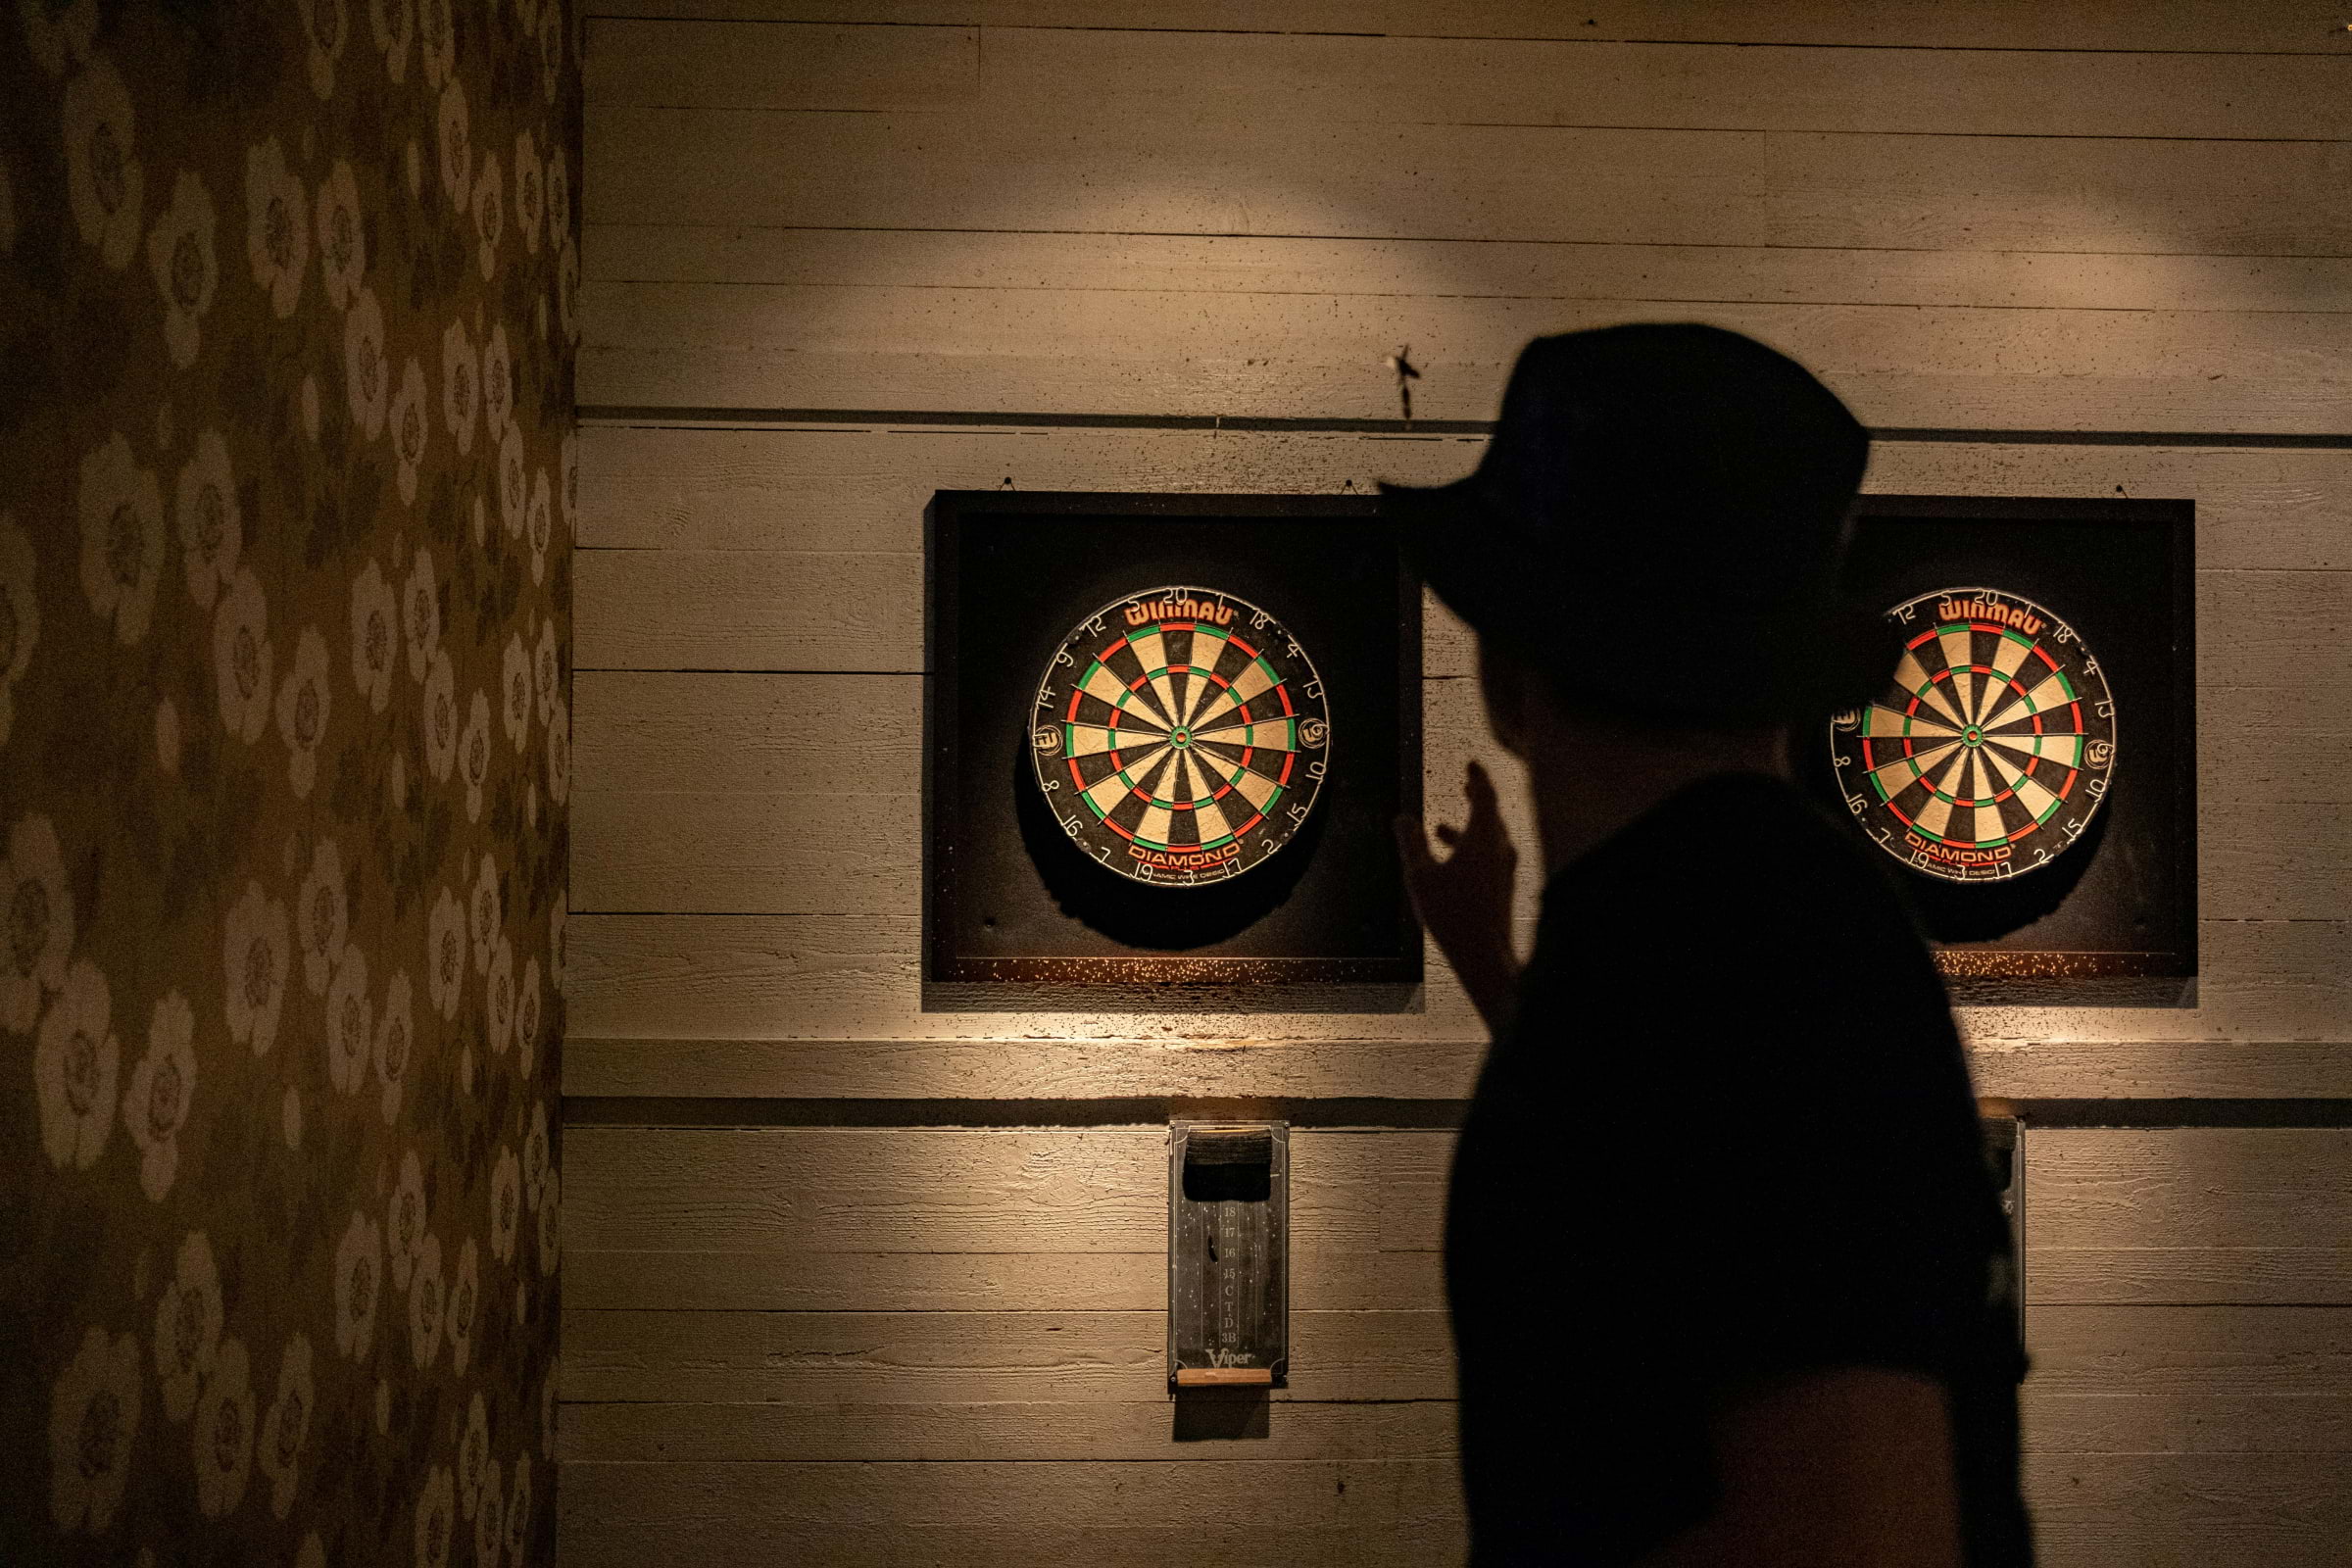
x=1722, y=1252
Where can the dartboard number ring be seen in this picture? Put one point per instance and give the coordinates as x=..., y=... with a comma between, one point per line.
x=1991, y=746
x=1180, y=736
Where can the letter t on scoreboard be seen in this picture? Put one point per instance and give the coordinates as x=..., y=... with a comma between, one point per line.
x=1229, y=1189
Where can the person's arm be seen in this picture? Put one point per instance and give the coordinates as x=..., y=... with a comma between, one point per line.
x=1465, y=900
x=1838, y=1467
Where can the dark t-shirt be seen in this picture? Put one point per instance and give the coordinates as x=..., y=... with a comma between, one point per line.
x=1732, y=1135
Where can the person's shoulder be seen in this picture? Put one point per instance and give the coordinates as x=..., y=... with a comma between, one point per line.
x=1751, y=934
x=1745, y=877
x=1752, y=842
x=1809, y=871
x=1762, y=804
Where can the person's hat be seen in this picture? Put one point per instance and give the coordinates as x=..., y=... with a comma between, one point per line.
x=1660, y=524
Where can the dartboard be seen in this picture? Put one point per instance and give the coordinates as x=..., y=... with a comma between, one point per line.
x=1992, y=745
x=1180, y=736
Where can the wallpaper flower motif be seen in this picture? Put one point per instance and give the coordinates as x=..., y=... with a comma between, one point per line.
x=286, y=483
x=156, y=1105
x=188, y=1326
x=40, y=922
x=122, y=537
x=180, y=250
x=211, y=531
x=103, y=178
x=277, y=232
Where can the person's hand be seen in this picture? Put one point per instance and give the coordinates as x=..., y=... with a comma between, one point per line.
x=1465, y=899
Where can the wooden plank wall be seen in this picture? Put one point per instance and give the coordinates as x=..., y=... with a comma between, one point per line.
x=840, y=255
x=896, y=1345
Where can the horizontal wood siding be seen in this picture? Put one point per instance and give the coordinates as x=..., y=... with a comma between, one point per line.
x=802, y=1314
x=861, y=489
x=1021, y=168
x=858, y=611
x=716, y=637
x=1236, y=354
x=2149, y=247
x=2274, y=28
x=1997, y=222
x=1317, y=77
x=2224, y=1194
x=855, y=977
x=1268, y=267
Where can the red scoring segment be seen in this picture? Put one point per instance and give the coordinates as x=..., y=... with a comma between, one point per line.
x=2033, y=763
x=1181, y=760
x=1991, y=744
x=1224, y=787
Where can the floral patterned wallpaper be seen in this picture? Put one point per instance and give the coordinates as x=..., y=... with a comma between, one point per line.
x=287, y=315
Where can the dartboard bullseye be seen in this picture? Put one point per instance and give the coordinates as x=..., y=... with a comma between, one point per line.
x=1180, y=736
x=1990, y=748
